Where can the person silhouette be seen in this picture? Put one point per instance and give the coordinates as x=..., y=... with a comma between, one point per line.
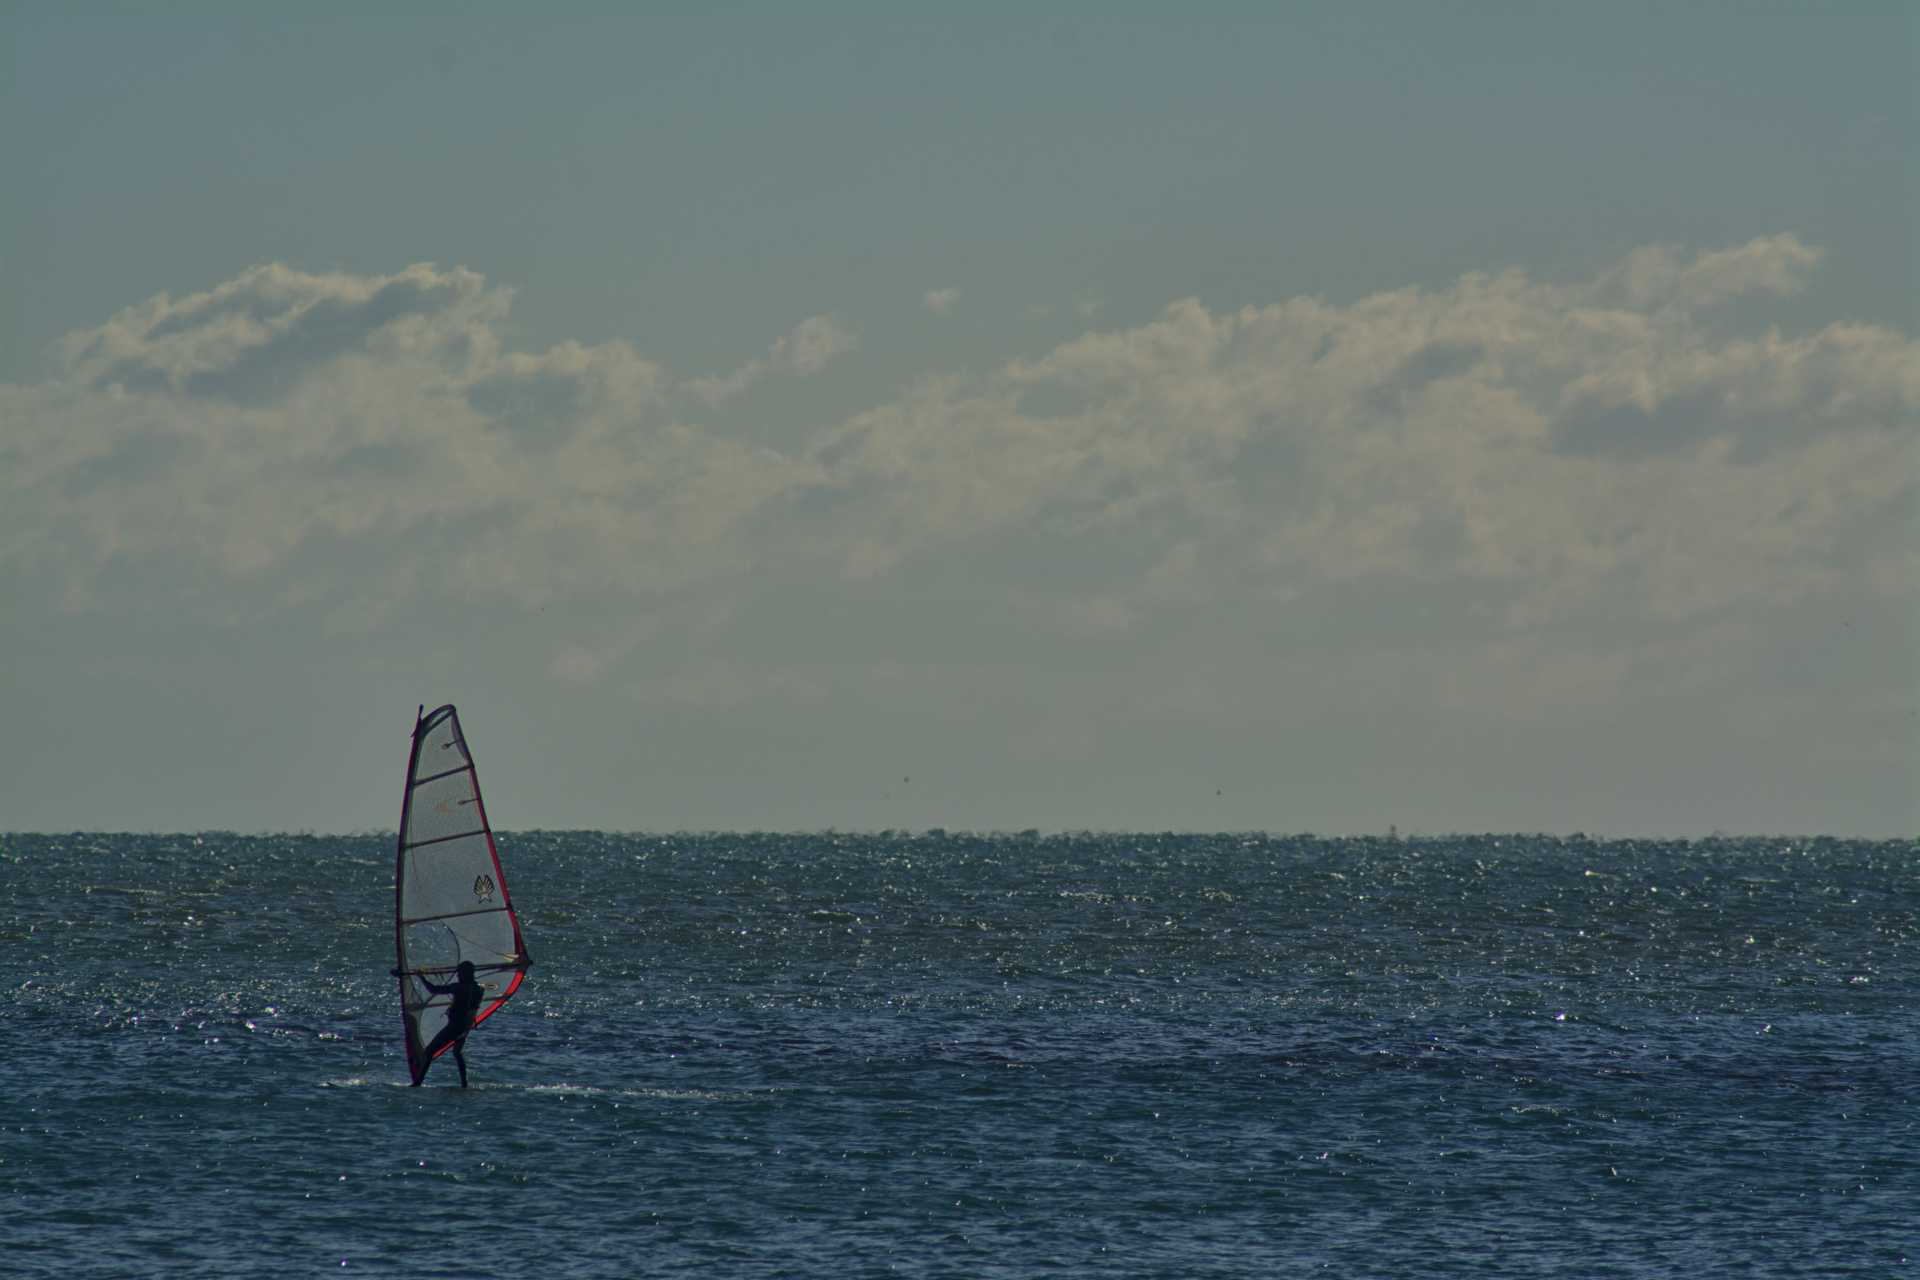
x=465, y=990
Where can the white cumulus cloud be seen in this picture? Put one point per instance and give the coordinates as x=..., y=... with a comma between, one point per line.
x=1534, y=459
x=808, y=348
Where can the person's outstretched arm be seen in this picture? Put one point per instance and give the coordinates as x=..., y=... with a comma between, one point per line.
x=426, y=982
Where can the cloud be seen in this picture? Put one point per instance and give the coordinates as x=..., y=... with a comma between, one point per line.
x=1525, y=459
x=807, y=349
x=1661, y=277
x=718, y=686
x=553, y=396
x=1758, y=394
x=575, y=664
x=253, y=339
x=940, y=301
x=233, y=435
x=1561, y=452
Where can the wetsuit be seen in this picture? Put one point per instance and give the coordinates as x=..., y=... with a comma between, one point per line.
x=466, y=1002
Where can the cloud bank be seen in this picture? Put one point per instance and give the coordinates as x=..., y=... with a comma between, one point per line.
x=1629, y=452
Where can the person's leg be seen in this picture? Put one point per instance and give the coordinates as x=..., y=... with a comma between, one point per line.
x=461, y=1058
x=438, y=1043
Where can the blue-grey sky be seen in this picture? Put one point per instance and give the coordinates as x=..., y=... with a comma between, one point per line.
x=1231, y=417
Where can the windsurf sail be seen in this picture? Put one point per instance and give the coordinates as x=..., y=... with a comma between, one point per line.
x=450, y=898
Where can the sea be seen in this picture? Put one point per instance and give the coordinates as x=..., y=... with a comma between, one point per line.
x=973, y=1055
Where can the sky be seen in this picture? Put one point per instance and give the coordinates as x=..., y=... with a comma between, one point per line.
x=1298, y=418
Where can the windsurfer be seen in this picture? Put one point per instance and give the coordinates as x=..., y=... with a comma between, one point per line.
x=465, y=990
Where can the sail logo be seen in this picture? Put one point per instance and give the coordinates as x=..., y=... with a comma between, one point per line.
x=483, y=888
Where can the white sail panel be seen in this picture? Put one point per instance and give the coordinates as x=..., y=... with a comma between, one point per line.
x=450, y=895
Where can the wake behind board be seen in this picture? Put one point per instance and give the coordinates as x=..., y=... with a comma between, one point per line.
x=450, y=899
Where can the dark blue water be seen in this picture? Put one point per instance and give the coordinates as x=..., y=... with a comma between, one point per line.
x=949, y=1055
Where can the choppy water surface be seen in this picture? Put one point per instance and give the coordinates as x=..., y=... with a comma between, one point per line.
x=948, y=1055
